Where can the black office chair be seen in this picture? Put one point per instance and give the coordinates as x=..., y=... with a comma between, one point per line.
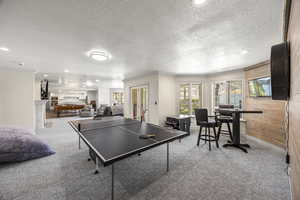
x=225, y=117
x=202, y=120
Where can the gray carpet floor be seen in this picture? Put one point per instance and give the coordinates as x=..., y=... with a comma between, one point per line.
x=195, y=173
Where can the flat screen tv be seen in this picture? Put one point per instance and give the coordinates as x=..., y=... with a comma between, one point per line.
x=280, y=71
x=260, y=87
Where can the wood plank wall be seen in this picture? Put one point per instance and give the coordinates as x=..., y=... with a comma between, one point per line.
x=294, y=103
x=268, y=126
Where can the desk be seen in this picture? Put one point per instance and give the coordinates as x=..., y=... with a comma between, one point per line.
x=236, y=115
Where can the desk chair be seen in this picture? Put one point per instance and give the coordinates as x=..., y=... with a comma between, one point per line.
x=202, y=120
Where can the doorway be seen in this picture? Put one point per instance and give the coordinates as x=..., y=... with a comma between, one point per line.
x=139, y=103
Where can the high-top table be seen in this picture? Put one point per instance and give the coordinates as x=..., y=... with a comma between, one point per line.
x=236, y=133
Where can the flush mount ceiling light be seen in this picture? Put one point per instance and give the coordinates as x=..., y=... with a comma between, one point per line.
x=66, y=71
x=198, y=2
x=4, y=49
x=99, y=55
x=97, y=80
x=45, y=75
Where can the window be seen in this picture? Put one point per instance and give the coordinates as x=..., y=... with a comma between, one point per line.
x=235, y=93
x=190, y=98
x=184, y=103
x=220, y=94
x=228, y=92
x=118, y=97
x=196, y=95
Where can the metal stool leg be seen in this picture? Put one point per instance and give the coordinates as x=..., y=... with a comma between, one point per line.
x=79, y=145
x=209, y=138
x=205, y=135
x=229, y=130
x=216, y=138
x=219, y=130
x=199, y=136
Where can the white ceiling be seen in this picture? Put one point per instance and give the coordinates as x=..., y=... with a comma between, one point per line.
x=143, y=36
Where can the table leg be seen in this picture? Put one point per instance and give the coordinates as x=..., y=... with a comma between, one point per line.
x=112, y=181
x=188, y=125
x=97, y=165
x=79, y=145
x=236, y=128
x=240, y=146
x=167, y=157
x=236, y=134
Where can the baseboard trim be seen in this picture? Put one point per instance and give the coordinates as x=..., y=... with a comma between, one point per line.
x=265, y=143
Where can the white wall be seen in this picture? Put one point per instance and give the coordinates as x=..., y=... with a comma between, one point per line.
x=37, y=90
x=92, y=96
x=152, y=82
x=17, y=98
x=103, y=95
x=104, y=90
x=167, y=97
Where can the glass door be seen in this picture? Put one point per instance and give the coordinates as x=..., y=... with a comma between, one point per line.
x=134, y=103
x=196, y=96
x=139, y=103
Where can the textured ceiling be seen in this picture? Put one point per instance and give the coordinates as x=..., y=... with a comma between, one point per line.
x=143, y=36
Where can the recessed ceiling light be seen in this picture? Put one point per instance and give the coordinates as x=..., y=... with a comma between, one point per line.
x=243, y=52
x=198, y=2
x=45, y=75
x=4, y=49
x=99, y=55
x=97, y=80
x=66, y=71
x=89, y=83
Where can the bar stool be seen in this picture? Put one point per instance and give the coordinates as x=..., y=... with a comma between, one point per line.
x=225, y=117
x=202, y=120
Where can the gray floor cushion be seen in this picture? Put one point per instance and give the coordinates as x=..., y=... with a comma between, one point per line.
x=20, y=145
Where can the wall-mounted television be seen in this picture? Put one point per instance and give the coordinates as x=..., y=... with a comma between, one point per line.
x=280, y=71
x=260, y=87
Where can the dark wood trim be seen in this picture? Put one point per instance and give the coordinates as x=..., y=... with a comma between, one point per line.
x=257, y=65
x=286, y=22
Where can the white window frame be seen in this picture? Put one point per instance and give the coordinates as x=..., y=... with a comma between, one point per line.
x=227, y=91
x=190, y=83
